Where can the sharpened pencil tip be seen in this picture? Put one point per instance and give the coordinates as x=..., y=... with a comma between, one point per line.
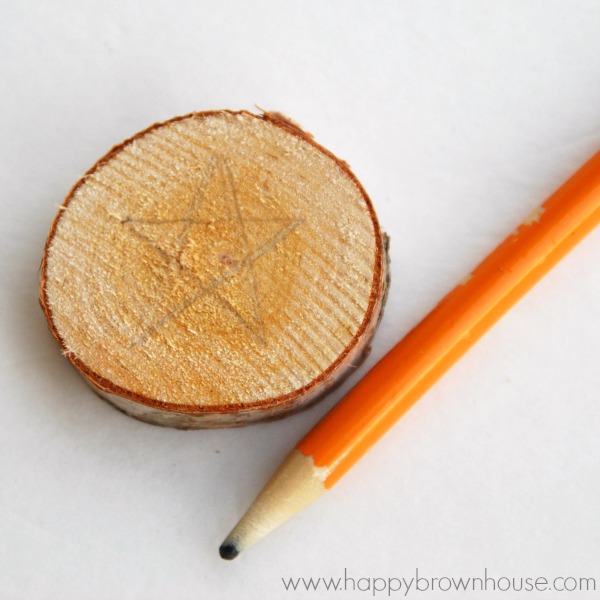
x=228, y=550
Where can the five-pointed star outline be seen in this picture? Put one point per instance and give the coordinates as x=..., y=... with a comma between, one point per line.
x=245, y=264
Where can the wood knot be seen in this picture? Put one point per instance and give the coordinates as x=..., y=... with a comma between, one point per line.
x=227, y=260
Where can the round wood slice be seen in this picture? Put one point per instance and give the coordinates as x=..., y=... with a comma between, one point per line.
x=214, y=270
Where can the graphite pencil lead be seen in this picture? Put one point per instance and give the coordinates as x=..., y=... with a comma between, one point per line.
x=228, y=550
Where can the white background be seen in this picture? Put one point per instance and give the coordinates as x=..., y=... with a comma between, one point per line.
x=459, y=118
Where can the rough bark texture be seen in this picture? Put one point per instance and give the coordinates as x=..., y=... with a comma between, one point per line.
x=214, y=270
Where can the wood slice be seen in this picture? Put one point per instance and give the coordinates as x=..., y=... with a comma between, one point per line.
x=213, y=270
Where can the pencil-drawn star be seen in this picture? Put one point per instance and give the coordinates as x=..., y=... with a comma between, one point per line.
x=214, y=247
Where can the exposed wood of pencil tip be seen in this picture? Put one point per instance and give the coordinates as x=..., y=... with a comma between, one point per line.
x=296, y=484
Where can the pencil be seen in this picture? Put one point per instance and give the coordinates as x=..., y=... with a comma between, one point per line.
x=403, y=375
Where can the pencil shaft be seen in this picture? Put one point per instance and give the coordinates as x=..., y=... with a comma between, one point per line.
x=458, y=321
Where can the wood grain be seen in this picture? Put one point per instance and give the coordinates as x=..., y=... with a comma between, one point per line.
x=213, y=270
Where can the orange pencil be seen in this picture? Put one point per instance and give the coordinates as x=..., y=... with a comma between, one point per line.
x=423, y=356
